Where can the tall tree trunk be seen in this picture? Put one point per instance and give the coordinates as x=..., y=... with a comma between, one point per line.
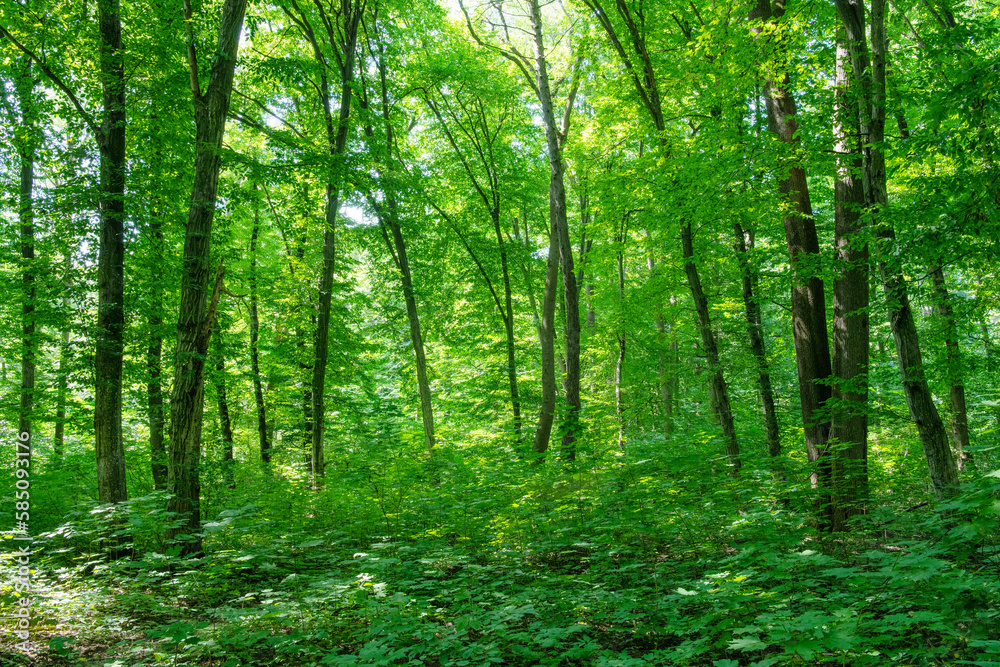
x=560, y=226
x=546, y=341
x=620, y=334
x=849, y=426
x=154, y=362
x=643, y=76
x=953, y=368
x=812, y=346
x=508, y=323
x=347, y=20
x=388, y=216
x=225, y=424
x=26, y=145
x=755, y=330
x=940, y=462
x=62, y=374
x=258, y=388
x=717, y=389
x=111, y=484
x=196, y=317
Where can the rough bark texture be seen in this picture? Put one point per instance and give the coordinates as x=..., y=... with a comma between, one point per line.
x=111, y=485
x=849, y=426
x=560, y=226
x=258, y=387
x=196, y=312
x=953, y=368
x=812, y=345
x=755, y=330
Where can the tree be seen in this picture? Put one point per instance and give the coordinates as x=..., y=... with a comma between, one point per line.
x=340, y=23
x=196, y=317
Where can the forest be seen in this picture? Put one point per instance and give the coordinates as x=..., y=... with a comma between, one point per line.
x=500, y=332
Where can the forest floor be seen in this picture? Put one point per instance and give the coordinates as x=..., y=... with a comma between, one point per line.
x=650, y=561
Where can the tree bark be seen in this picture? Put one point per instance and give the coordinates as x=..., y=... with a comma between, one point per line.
x=225, y=424
x=343, y=52
x=812, y=346
x=154, y=362
x=258, y=388
x=388, y=215
x=26, y=143
x=108, y=443
x=755, y=330
x=620, y=334
x=560, y=226
x=871, y=111
x=953, y=368
x=546, y=342
x=196, y=317
x=717, y=389
x=849, y=425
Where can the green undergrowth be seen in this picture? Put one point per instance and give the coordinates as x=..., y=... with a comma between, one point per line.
x=643, y=559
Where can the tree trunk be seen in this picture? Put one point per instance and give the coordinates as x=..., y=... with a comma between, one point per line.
x=546, y=341
x=344, y=48
x=26, y=145
x=62, y=374
x=258, y=388
x=812, y=346
x=225, y=424
x=154, y=362
x=560, y=226
x=620, y=334
x=849, y=425
x=940, y=462
x=755, y=330
x=196, y=317
x=111, y=483
x=717, y=389
x=953, y=367
x=388, y=216
x=508, y=322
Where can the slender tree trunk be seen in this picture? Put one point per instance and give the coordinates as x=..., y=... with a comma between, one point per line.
x=953, y=365
x=154, y=362
x=620, y=362
x=26, y=147
x=755, y=330
x=809, y=332
x=508, y=322
x=258, y=388
x=225, y=424
x=546, y=341
x=196, y=317
x=560, y=226
x=62, y=379
x=849, y=426
x=336, y=134
x=111, y=483
x=388, y=215
x=717, y=389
